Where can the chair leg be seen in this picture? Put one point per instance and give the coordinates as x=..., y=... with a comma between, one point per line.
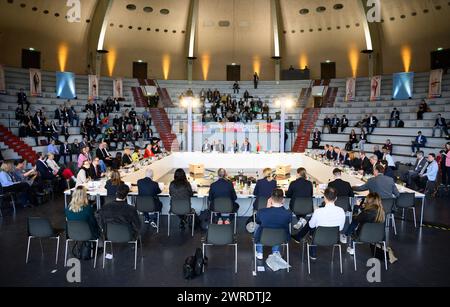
x=212, y=213
x=403, y=214
x=193, y=224
x=157, y=222
x=307, y=255
x=287, y=256
x=303, y=251
x=414, y=217
x=168, y=224
x=13, y=204
x=340, y=256
x=135, y=253
x=105, y=245
x=385, y=255
x=254, y=257
x=57, y=250
x=40, y=243
x=332, y=253
x=203, y=253
x=65, y=253
x=235, y=258
x=235, y=220
x=393, y=224
x=354, y=254
x=28, y=249
x=96, y=250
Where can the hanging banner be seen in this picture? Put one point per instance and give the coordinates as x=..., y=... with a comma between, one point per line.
x=93, y=87
x=2, y=80
x=350, y=89
x=35, y=82
x=118, y=88
x=435, y=84
x=375, y=88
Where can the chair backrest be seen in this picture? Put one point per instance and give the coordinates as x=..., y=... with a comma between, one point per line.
x=273, y=236
x=405, y=200
x=372, y=232
x=261, y=202
x=119, y=233
x=220, y=234
x=303, y=206
x=344, y=203
x=109, y=199
x=78, y=230
x=145, y=204
x=388, y=204
x=326, y=236
x=223, y=205
x=180, y=206
x=39, y=227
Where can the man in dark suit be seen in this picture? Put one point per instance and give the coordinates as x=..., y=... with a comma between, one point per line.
x=411, y=175
x=330, y=153
x=344, y=123
x=222, y=188
x=338, y=157
x=103, y=154
x=335, y=122
x=64, y=151
x=343, y=188
x=377, y=152
x=418, y=143
x=94, y=170
x=297, y=189
x=148, y=187
x=326, y=124
x=440, y=124
x=22, y=99
x=43, y=169
x=65, y=131
x=371, y=123
x=381, y=184
x=365, y=166
x=316, y=139
x=395, y=117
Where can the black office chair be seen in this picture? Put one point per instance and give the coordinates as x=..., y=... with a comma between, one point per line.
x=406, y=201
x=371, y=233
x=4, y=196
x=120, y=233
x=221, y=235
x=81, y=232
x=324, y=236
x=146, y=204
x=302, y=206
x=261, y=202
x=224, y=205
x=388, y=206
x=40, y=228
x=272, y=237
x=180, y=207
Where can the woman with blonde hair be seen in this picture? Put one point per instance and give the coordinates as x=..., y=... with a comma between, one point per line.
x=371, y=212
x=264, y=187
x=113, y=183
x=52, y=164
x=79, y=209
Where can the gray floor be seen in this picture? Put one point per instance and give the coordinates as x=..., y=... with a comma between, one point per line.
x=423, y=258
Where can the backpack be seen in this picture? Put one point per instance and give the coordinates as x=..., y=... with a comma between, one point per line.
x=203, y=219
x=199, y=262
x=189, y=267
x=401, y=124
x=83, y=250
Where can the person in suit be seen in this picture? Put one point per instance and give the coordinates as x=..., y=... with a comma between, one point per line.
x=148, y=187
x=326, y=124
x=371, y=123
x=419, y=142
x=345, y=157
x=58, y=114
x=65, y=131
x=224, y=189
x=316, y=139
x=377, y=152
x=365, y=166
x=337, y=155
x=255, y=80
x=381, y=184
x=395, y=117
x=344, y=123
x=126, y=157
x=113, y=183
x=440, y=124
x=22, y=99
x=206, y=147
x=264, y=187
x=411, y=175
x=103, y=154
x=301, y=187
x=335, y=122
x=428, y=174
x=220, y=147
x=95, y=170
x=343, y=188
x=45, y=172
x=246, y=146
x=64, y=151
x=275, y=216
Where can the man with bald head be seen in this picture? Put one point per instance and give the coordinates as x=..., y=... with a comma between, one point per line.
x=148, y=187
x=222, y=188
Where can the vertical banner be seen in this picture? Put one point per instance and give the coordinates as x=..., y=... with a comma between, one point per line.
x=2, y=80
x=118, y=88
x=375, y=88
x=35, y=82
x=93, y=87
x=435, y=84
x=350, y=89
x=403, y=85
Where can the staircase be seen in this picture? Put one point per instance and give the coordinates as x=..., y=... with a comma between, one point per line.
x=139, y=98
x=162, y=124
x=16, y=144
x=307, y=124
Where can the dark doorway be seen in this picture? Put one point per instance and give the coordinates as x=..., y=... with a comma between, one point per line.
x=328, y=70
x=31, y=59
x=233, y=72
x=140, y=70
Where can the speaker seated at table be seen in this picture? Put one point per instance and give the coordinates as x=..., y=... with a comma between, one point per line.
x=197, y=169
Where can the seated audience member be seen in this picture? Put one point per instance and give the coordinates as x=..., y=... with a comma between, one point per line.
x=352, y=140
x=45, y=172
x=387, y=170
x=64, y=151
x=113, y=183
x=328, y=216
x=423, y=107
x=342, y=188
x=180, y=189
x=316, y=139
x=222, y=188
x=206, y=147
x=371, y=211
x=53, y=149
x=381, y=184
x=148, y=153
x=388, y=144
x=445, y=165
x=365, y=166
x=119, y=212
x=126, y=158
x=275, y=216
x=362, y=140
x=148, y=187
x=429, y=173
x=52, y=164
x=22, y=175
x=419, y=142
x=344, y=123
x=117, y=161
x=79, y=209
x=335, y=123
x=388, y=157
x=395, y=117
x=411, y=175
x=103, y=154
x=95, y=169
x=264, y=187
x=246, y=146
x=440, y=124
x=377, y=152
x=84, y=155
x=10, y=185
x=84, y=175
x=326, y=124
x=136, y=155
x=301, y=187
x=371, y=123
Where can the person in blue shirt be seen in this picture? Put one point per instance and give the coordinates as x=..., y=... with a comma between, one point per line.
x=275, y=216
x=418, y=143
x=10, y=185
x=53, y=149
x=264, y=187
x=429, y=172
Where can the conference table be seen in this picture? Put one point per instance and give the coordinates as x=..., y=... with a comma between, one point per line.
x=319, y=171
